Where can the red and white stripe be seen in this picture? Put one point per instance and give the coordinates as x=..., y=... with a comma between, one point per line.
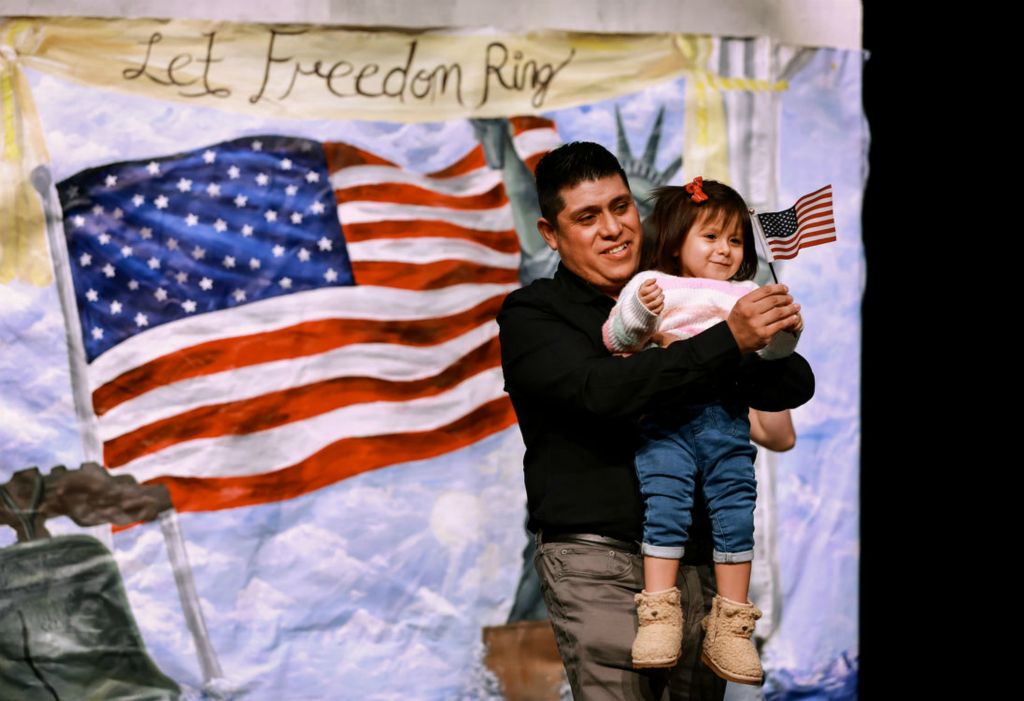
x=815, y=225
x=283, y=396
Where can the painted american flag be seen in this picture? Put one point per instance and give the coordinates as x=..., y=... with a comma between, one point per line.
x=809, y=222
x=269, y=315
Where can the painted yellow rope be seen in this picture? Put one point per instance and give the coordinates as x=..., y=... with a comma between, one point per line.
x=11, y=150
x=748, y=84
x=24, y=255
x=701, y=112
x=705, y=139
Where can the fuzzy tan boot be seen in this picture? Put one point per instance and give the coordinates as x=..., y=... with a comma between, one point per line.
x=660, y=636
x=728, y=649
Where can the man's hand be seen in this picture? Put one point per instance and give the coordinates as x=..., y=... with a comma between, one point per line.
x=799, y=327
x=761, y=314
x=652, y=296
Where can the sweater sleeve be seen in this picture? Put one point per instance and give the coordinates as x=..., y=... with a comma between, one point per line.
x=630, y=324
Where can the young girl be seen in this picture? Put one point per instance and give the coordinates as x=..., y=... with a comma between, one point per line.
x=699, y=262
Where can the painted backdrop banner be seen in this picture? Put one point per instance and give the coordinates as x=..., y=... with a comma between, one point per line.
x=252, y=273
x=308, y=71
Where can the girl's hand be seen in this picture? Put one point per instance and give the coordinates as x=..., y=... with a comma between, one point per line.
x=652, y=296
x=799, y=324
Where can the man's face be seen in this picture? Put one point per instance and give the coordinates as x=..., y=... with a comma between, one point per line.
x=597, y=234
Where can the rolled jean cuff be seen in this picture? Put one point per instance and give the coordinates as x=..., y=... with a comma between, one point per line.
x=666, y=552
x=745, y=556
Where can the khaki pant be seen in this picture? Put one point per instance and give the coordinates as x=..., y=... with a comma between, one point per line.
x=589, y=594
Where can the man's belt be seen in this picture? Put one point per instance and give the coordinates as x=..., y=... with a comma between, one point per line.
x=589, y=539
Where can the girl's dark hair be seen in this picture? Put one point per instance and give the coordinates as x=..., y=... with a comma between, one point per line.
x=674, y=213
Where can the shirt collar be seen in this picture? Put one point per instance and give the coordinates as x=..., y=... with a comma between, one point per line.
x=578, y=289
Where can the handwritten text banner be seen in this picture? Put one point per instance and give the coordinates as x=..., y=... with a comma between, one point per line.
x=316, y=72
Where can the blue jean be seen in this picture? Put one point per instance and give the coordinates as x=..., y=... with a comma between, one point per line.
x=707, y=446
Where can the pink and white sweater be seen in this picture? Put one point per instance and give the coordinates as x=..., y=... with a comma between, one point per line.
x=692, y=305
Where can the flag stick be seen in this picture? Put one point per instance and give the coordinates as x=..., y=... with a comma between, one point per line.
x=759, y=235
x=92, y=449
x=187, y=593
x=42, y=181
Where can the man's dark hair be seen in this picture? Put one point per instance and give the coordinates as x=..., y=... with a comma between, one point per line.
x=569, y=165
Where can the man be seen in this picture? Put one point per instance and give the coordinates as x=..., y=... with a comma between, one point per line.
x=576, y=406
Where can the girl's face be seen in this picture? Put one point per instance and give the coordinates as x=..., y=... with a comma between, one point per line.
x=710, y=249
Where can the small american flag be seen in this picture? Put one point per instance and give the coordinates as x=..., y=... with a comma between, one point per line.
x=269, y=315
x=809, y=222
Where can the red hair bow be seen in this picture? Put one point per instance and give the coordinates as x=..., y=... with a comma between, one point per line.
x=696, y=191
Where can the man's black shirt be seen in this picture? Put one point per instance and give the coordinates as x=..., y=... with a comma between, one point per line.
x=577, y=405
